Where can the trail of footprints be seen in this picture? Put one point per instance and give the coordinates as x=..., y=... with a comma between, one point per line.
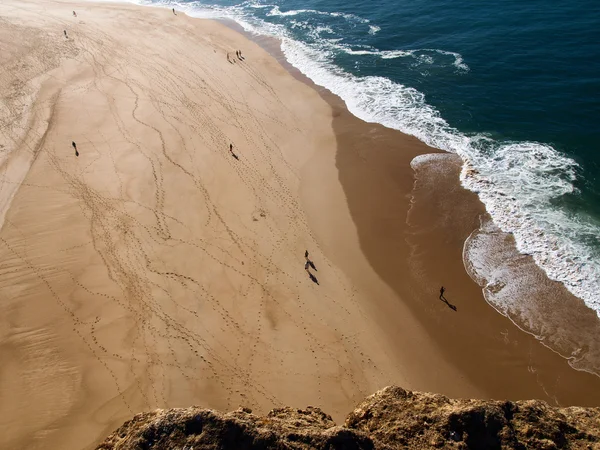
x=130, y=247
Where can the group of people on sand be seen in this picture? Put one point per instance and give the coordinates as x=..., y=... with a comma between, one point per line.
x=238, y=53
x=309, y=264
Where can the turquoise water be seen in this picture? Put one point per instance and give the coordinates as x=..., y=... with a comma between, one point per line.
x=513, y=87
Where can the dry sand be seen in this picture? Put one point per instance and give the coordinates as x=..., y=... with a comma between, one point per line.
x=156, y=270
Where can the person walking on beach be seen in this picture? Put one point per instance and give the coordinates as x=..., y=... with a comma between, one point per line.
x=75, y=147
x=174, y=11
x=310, y=275
x=231, y=151
x=65, y=31
x=308, y=261
x=445, y=300
x=74, y=14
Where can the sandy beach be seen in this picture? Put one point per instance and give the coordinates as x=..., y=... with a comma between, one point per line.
x=159, y=268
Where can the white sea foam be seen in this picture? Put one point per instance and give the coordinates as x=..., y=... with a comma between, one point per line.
x=350, y=17
x=373, y=29
x=507, y=277
x=275, y=11
x=424, y=56
x=459, y=63
x=391, y=54
x=519, y=182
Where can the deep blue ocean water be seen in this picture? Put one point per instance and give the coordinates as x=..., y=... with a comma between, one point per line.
x=513, y=87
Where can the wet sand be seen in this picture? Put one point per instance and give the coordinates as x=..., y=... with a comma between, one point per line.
x=412, y=233
x=157, y=270
x=412, y=226
x=412, y=218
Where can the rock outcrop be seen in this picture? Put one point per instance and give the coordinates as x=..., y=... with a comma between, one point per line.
x=389, y=419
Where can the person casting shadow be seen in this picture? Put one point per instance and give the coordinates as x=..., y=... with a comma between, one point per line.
x=308, y=261
x=450, y=305
x=75, y=147
x=231, y=151
x=310, y=275
x=442, y=298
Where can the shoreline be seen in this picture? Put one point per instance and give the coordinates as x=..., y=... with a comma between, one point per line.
x=155, y=270
x=584, y=323
x=555, y=317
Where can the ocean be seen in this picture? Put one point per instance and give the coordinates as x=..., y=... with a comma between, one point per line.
x=513, y=87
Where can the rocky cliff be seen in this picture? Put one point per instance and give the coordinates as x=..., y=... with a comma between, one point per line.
x=389, y=419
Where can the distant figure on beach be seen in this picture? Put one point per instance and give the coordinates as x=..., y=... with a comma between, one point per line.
x=65, y=31
x=231, y=151
x=239, y=54
x=75, y=147
x=442, y=298
x=307, y=266
x=310, y=275
x=174, y=11
x=308, y=261
x=74, y=14
x=228, y=59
